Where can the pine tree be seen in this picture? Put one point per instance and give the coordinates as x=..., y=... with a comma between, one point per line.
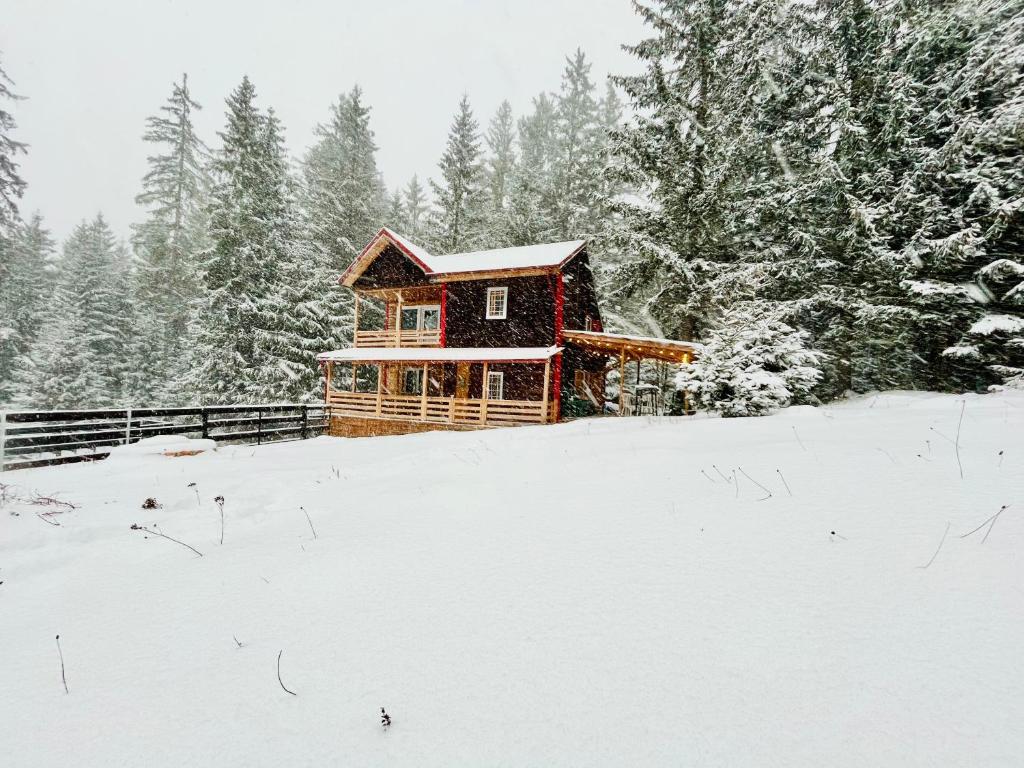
x=499, y=166
x=24, y=297
x=417, y=209
x=12, y=186
x=531, y=190
x=459, y=217
x=578, y=156
x=241, y=268
x=396, y=217
x=167, y=245
x=344, y=203
x=82, y=356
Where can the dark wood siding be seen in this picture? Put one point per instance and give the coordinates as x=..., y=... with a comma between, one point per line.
x=580, y=295
x=529, y=322
x=391, y=269
x=523, y=381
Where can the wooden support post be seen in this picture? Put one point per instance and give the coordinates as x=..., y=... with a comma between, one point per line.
x=128, y=426
x=353, y=387
x=398, y=321
x=483, y=399
x=328, y=369
x=259, y=426
x=423, y=394
x=380, y=384
x=622, y=379
x=355, y=319
x=206, y=424
x=305, y=420
x=544, y=397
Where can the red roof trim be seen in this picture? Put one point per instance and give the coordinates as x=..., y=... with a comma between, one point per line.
x=572, y=255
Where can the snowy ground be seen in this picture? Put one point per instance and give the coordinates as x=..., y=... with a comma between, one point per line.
x=587, y=594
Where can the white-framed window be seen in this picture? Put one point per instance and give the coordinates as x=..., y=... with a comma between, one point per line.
x=588, y=324
x=412, y=381
x=495, y=385
x=421, y=318
x=497, y=303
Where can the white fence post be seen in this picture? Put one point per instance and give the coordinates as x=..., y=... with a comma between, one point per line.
x=128, y=427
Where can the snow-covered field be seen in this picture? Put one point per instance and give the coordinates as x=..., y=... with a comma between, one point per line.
x=595, y=593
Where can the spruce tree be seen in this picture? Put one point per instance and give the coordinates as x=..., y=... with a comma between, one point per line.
x=576, y=174
x=499, y=166
x=168, y=243
x=531, y=189
x=12, y=186
x=25, y=294
x=83, y=355
x=241, y=267
x=458, y=223
x=416, y=209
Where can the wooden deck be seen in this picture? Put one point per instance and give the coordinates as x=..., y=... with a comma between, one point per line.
x=437, y=411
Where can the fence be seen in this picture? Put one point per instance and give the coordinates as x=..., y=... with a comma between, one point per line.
x=38, y=438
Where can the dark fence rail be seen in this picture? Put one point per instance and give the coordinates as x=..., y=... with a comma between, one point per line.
x=37, y=438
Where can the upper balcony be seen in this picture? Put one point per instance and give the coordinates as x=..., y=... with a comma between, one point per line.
x=409, y=317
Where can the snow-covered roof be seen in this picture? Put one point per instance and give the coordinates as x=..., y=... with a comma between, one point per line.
x=545, y=255
x=643, y=346
x=523, y=257
x=438, y=354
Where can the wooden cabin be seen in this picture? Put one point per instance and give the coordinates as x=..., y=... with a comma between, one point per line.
x=503, y=337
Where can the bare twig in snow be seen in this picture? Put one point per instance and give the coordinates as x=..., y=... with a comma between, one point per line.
x=990, y=522
x=237, y=641
x=804, y=447
x=724, y=477
x=293, y=693
x=219, y=500
x=709, y=477
x=136, y=527
x=887, y=454
x=947, y=439
x=309, y=521
x=45, y=520
x=49, y=501
x=937, y=550
x=63, y=677
x=1000, y=464
x=784, y=481
x=736, y=483
x=956, y=445
x=195, y=488
x=757, y=484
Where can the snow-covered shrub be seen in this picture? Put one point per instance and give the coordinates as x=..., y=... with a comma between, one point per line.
x=751, y=366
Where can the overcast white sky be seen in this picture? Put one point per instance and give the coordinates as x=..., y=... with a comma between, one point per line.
x=94, y=69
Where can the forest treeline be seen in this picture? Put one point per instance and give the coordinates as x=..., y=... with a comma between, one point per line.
x=828, y=194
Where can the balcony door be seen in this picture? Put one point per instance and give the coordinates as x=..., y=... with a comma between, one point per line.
x=421, y=318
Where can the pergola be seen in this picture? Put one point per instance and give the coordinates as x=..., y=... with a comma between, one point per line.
x=627, y=348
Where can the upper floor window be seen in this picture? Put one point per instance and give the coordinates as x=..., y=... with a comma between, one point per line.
x=588, y=324
x=497, y=303
x=421, y=318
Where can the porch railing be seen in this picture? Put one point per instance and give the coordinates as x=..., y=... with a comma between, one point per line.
x=398, y=338
x=443, y=410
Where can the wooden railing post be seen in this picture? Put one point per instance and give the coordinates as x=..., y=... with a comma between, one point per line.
x=544, y=398
x=380, y=383
x=483, y=400
x=259, y=426
x=305, y=419
x=423, y=398
x=128, y=426
x=3, y=437
x=206, y=423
